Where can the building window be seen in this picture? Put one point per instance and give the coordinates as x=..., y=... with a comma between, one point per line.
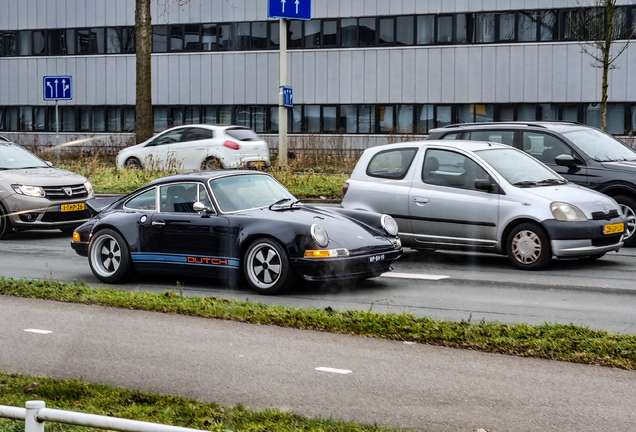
x=225, y=115
x=39, y=42
x=385, y=119
x=259, y=119
x=425, y=118
x=274, y=35
x=329, y=119
x=633, y=127
x=404, y=119
x=259, y=35
x=26, y=39
x=548, y=27
x=295, y=121
x=11, y=118
x=349, y=32
x=99, y=119
x=10, y=42
x=26, y=119
x=295, y=28
x=527, y=27
x=114, y=119
x=547, y=112
x=527, y=112
x=387, y=31
x=273, y=119
x=330, y=33
x=444, y=115
x=39, y=118
x=84, y=118
x=425, y=29
x=444, y=29
x=67, y=114
x=484, y=27
x=192, y=37
x=465, y=114
x=208, y=37
x=616, y=119
x=312, y=118
x=570, y=113
x=506, y=27
x=349, y=118
x=192, y=115
x=404, y=30
x=366, y=119
x=312, y=34
x=208, y=115
x=366, y=32
x=224, y=39
x=242, y=36
x=159, y=39
x=463, y=28
x=176, y=38
x=113, y=40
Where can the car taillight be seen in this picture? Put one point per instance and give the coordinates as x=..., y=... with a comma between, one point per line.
x=345, y=187
x=232, y=145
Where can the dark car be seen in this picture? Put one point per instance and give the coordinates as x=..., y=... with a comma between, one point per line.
x=230, y=225
x=582, y=154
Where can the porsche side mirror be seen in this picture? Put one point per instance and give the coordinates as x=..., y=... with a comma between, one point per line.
x=199, y=207
x=49, y=163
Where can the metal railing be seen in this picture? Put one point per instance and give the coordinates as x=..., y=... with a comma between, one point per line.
x=36, y=413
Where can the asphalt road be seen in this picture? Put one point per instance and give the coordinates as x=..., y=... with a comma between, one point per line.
x=455, y=286
x=411, y=386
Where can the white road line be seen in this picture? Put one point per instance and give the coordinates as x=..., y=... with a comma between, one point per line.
x=414, y=276
x=338, y=371
x=38, y=331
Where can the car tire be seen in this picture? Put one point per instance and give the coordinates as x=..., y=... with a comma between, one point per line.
x=266, y=267
x=529, y=247
x=211, y=164
x=133, y=163
x=109, y=257
x=628, y=207
x=5, y=224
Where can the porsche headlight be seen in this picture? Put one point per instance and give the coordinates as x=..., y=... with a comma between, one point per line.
x=567, y=212
x=34, y=191
x=390, y=225
x=319, y=235
x=89, y=187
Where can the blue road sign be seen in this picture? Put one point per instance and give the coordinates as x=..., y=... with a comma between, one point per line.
x=58, y=87
x=288, y=96
x=292, y=9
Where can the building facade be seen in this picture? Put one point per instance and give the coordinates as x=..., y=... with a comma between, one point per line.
x=366, y=71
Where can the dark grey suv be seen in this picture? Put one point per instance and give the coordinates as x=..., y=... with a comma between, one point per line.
x=582, y=154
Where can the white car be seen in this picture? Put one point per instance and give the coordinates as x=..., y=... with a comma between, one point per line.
x=197, y=147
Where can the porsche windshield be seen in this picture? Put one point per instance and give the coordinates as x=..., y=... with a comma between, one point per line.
x=600, y=146
x=520, y=169
x=15, y=157
x=243, y=192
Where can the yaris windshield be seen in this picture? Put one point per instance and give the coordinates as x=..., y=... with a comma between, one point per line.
x=520, y=169
x=243, y=192
x=15, y=157
x=600, y=146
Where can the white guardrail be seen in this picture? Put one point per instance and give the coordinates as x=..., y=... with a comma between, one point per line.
x=36, y=413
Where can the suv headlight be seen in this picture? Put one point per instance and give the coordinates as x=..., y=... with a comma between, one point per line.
x=390, y=225
x=319, y=235
x=89, y=187
x=567, y=212
x=34, y=191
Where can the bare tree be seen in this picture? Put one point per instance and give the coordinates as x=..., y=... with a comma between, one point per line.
x=144, y=123
x=598, y=29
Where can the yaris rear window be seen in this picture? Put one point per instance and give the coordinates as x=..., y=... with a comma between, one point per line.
x=391, y=164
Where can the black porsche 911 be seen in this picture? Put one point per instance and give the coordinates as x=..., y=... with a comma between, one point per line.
x=233, y=224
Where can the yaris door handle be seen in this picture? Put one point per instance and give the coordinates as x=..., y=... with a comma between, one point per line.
x=420, y=201
x=158, y=223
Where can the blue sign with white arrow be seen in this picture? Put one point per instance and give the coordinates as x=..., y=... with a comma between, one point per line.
x=292, y=9
x=58, y=87
x=288, y=96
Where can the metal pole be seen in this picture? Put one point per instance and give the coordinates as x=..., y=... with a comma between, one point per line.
x=31, y=423
x=282, y=110
x=57, y=133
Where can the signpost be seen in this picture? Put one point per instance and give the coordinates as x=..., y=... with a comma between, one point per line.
x=58, y=88
x=285, y=9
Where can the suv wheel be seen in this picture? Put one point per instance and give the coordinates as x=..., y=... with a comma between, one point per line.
x=628, y=207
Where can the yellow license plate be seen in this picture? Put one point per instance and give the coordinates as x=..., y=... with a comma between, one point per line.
x=614, y=228
x=72, y=207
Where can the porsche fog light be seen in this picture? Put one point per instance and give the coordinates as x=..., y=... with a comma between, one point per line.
x=319, y=235
x=34, y=191
x=567, y=212
x=390, y=225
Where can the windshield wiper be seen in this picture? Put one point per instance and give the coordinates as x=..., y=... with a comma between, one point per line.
x=280, y=201
x=552, y=181
x=525, y=183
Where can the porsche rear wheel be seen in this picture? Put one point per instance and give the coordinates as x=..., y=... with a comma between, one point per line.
x=267, y=268
x=109, y=257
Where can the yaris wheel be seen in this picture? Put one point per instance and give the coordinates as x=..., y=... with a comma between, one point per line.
x=628, y=207
x=109, y=257
x=529, y=247
x=267, y=268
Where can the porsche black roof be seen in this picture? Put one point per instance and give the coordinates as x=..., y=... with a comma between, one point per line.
x=203, y=175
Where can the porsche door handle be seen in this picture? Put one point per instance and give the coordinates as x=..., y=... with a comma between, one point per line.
x=158, y=223
x=420, y=201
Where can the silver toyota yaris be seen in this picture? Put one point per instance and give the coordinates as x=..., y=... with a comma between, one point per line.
x=35, y=195
x=487, y=197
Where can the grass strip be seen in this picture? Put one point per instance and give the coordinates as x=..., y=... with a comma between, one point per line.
x=80, y=396
x=548, y=341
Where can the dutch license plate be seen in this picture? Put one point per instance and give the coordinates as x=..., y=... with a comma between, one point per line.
x=72, y=207
x=258, y=163
x=614, y=228
x=376, y=258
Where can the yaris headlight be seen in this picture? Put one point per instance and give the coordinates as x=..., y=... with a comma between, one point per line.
x=390, y=225
x=567, y=212
x=34, y=191
x=319, y=235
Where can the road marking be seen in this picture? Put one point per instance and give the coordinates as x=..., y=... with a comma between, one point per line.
x=338, y=371
x=38, y=331
x=414, y=276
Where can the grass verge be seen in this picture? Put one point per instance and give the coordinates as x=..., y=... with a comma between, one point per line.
x=81, y=396
x=549, y=341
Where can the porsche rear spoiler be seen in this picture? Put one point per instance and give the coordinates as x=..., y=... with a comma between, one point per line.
x=96, y=205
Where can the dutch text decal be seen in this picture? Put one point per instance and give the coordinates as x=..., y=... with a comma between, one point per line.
x=159, y=258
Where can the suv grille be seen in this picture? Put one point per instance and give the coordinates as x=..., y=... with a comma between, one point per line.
x=599, y=215
x=57, y=192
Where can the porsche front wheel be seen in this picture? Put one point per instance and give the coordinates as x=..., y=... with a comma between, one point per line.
x=266, y=267
x=109, y=257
